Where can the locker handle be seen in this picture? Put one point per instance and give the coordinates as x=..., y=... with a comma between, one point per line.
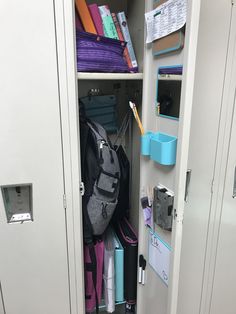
x=234, y=186
x=188, y=177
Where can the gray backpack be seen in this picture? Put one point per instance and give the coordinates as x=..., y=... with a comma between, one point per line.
x=101, y=177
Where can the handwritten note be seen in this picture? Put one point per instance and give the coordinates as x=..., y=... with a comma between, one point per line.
x=165, y=19
x=159, y=256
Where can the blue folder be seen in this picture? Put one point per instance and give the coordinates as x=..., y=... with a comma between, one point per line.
x=119, y=270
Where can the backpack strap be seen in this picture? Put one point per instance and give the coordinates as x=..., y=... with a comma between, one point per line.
x=93, y=259
x=99, y=132
x=84, y=133
x=124, y=126
x=84, y=136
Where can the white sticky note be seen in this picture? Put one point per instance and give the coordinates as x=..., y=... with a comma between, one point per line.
x=159, y=256
x=165, y=19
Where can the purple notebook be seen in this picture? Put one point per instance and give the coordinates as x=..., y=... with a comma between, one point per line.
x=97, y=20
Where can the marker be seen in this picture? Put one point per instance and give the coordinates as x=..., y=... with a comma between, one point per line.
x=141, y=259
x=143, y=272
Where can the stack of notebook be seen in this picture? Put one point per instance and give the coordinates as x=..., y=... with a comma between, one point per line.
x=99, y=20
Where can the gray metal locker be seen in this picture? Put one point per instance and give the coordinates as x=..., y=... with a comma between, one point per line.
x=33, y=263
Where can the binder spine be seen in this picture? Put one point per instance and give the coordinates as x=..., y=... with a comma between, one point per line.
x=121, y=37
x=85, y=16
x=108, y=24
x=93, y=9
x=125, y=31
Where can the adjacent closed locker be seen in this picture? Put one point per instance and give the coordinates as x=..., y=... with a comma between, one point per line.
x=33, y=248
x=207, y=116
x=222, y=288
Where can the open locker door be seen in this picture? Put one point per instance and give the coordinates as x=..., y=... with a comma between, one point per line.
x=160, y=295
x=207, y=146
x=33, y=245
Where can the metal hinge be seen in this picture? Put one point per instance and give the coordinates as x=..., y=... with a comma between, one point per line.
x=64, y=201
x=232, y=2
x=82, y=189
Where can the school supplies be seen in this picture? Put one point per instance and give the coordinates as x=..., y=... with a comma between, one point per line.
x=109, y=271
x=136, y=115
x=125, y=31
x=99, y=54
x=140, y=272
x=119, y=269
x=144, y=272
x=93, y=264
x=101, y=109
x=95, y=14
x=129, y=241
x=108, y=24
x=78, y=23
x=121, y=37
x=85, y=16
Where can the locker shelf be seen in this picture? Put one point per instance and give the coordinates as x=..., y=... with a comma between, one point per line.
x=109, y=76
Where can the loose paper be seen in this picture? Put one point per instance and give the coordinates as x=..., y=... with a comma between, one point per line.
x=165, y=19
x=159, y=256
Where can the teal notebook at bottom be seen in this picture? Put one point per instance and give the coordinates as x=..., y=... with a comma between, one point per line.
x=119, y=270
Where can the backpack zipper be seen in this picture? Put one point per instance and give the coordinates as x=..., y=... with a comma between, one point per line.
x=100, y=151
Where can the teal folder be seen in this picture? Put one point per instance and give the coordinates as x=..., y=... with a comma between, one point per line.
x=119, y=270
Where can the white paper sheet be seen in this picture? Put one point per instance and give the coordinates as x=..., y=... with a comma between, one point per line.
x=159, y=256
x=165, y=19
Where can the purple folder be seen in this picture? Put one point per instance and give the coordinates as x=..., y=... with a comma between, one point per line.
x=97, y=20
x=97, y=53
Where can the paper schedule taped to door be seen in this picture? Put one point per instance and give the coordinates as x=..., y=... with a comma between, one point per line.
x=165, y=19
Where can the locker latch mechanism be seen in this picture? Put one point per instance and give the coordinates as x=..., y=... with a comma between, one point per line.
x=18, y=202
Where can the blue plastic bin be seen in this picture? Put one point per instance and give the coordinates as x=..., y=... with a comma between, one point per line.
x=145, y=143
x=163, y=148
